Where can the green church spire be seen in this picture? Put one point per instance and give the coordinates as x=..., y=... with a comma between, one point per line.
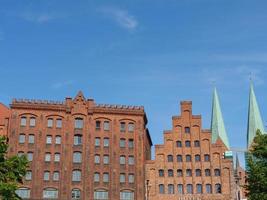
x=254, y=117
x=217, y=123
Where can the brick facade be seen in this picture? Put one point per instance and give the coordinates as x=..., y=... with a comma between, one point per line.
x=4, y=119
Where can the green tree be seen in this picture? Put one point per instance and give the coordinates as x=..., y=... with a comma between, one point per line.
x=257, y=168
x=12, y=171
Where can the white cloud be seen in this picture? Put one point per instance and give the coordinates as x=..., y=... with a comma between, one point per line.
x=61, y=84
x=122, y=17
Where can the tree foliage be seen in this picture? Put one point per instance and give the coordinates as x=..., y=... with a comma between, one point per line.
x=257, y=168
x=12, y=171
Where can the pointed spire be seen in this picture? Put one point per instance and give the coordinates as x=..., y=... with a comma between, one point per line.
x=217, y=123
x=254, y=117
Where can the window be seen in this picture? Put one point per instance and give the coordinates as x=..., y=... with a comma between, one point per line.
x=97, y=159
x=217, y=172
x=30, y=156
x=46, y=176
x=77, y=157
x=97, y=125
x=78, y=123
x=106, y=177
x=28, y=176
x=106, y=159
x=56, y=176
x=199, y=189
x=97, y=142
x=131, y=127
x=178, y=144
x=75, y=194
x=180, y=188
x=179, y=158
x=122, y=160
x=131, y=178
x=77, y=139
x=57, y=157
x=24, y=193
x=122, y=178
x=197, y=158
x=131, y=160
x=187, y=129
x=170, y=189
x=188, y=158
x=122, y=143
x=47, y=157
x=218, y=188
x=131, y=143
x=76, y=175
x=100, y=195
x=32, y=121
x=187, y=143
x=196, y=143
x=59, y=123
x=208, y=188
x=106, y=142
x=23, y=121
x=96, y=177
x=122, y=126
x=207, y=172
x=189, y=189
x=188, y=172
x=126, y=195
x=170, y=158
x=106, y=126
x=170, y=173
x=206, y=157
x=31, y=139
x=48, y=139
x=49, y=122
x=179, y=172
x=161, y=173
x=58, y=139
x=21, y=138
x=20, y=153
x=50, y=193
x=198, y=172
x=161, y=189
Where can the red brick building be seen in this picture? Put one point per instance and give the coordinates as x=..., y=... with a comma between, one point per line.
x=4, y=119
x=79, y=149
x=190, y=165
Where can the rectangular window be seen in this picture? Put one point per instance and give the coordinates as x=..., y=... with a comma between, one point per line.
x=59, y=123
x=97, y=125
x=21, y=138
x=122, y=160
x=106, y=159
x=32, y=121
x=106, y=126
x=106, y=142
x=49, y=123
x=28, y=176
x=131, y=178
x=96, y=177
x=122, y=126
x=122, y=143
x=30, y=156
x=97, y=142
x=131, y=127
x=77, y=139
x=122, y=178
x=48, y=139
x=131, y=143
x=57, y=157
x=76, y=175
x=56, y=176
x=97, y=159
x=78, y=123
x=23, y=121
x=77, y=157
x=47, y=157
x=131, y=160
x=105, y=177
x=31, y=139
x=46, y=175
x=58, y=139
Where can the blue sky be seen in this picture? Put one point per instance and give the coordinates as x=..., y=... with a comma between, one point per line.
x=138, y=52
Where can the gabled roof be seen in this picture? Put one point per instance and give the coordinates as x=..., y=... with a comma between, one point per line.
x=80, y=97
x=254, y=117
x=217, y=123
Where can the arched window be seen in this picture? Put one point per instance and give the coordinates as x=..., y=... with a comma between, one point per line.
x=122, y=143
x=100, y=195
x=76, y=175
x=180, y=188
x=170, y=158
x=187, y=143
x=31, y=139
x=208, y=189
x=57, y=157
x=106, y=126
x=106, y=142
x=126, y=195
x=96, y=177
x=97, y=159
x=122, y=126
x=196, y=143
x=76, y=194
x=131, y=160
x=77, y=157
x=106, y=159
x=161, y=173
x=59, y=123
x=28, y=175
x=122, y=178
x=131, y=127
x=122, y=160
x=50, y=193
x=77, y=140
x=24, y=193
x=131, y=178
x=56, y=176
x=46, y=175
x=58, y=139
x=206, y=157
x=188, y=172
x=218, y=188
x=49, y=122
x=207, y=172
x=178, y=143
x=197, y=158
x=199, y=189
x=23, y=121
x=179, y=158
x=170, y=189
x=170, y=173
x=78, y=123
x=217, y=172
x=189, y=189
x=30, y=156
x=188, y=158
x=179, y=172
x=105, y=177
x=32, y=121
x=97, y=125
x=161, y=189
x=198, y=172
